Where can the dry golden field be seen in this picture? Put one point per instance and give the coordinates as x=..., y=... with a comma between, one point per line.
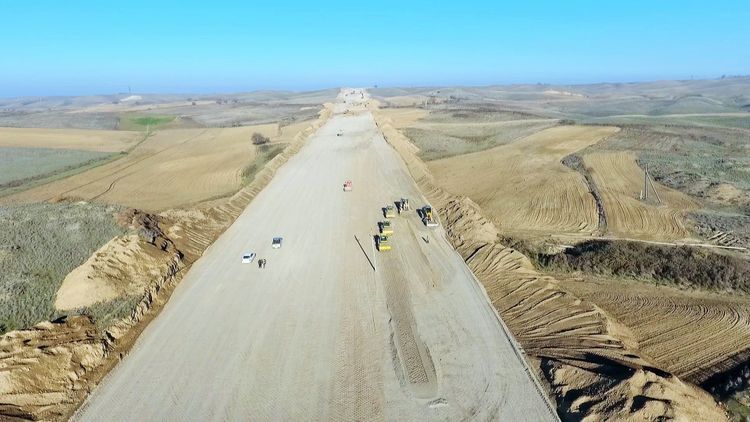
x=171, y=168
x=523, y=186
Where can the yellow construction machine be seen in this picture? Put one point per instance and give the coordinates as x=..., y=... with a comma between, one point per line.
x=389, y=211
x=385, y=227
x=382, y=243
x=427, y=217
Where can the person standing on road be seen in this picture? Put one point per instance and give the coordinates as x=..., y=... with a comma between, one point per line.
x=264, y=263
x=260, y=263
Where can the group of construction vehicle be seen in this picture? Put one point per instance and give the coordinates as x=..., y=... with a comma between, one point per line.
x=385, y=227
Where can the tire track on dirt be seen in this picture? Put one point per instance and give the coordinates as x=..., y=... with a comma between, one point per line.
x=114, y=182
x=129, y=165
x=619, y=179
x=693, y=336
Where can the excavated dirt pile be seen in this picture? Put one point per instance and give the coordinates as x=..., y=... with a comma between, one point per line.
x=147, y=227
x=42, y=367
x=47, y=370
x=589, y=361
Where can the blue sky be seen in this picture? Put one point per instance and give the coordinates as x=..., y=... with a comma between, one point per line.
x=91, y=47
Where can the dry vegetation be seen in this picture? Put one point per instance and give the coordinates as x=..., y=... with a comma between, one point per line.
x=265, y=154
x=39, y=245
x=702, y=162
x=688, y=267
x=118, y=111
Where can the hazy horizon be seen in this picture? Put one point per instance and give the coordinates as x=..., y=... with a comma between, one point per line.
x=323, y=88
x=89, y=48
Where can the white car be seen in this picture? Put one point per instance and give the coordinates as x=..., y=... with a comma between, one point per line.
x=248, y=257
x=276, y=243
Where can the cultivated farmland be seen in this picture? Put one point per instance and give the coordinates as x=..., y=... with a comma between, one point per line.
x=170, y=168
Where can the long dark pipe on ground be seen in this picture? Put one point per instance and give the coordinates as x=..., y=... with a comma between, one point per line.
x=363, y=251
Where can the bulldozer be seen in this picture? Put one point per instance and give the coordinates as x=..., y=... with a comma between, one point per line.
x=427, y=217
x=389, y=212
x=385, y=227
x=382, y=243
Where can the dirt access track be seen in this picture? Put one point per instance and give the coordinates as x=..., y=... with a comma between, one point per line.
x=319, y=334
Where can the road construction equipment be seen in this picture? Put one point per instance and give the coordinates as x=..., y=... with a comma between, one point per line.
x=389, y=211
x=382, y=243
x=385, y=227
x=348, y=186
x=427, y=217
x=403, y=205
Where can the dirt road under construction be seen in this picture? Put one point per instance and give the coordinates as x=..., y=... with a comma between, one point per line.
x=331, y=329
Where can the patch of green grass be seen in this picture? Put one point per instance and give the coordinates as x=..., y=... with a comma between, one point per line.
x=737, y=411
x=22, y=166
x=266, y=153
x=39, y=245
x=152, y=120
x=143, y=122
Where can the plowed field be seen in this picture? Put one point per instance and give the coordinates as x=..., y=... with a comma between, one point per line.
x=523, y=186
x=620, y=182
x=692, y=335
